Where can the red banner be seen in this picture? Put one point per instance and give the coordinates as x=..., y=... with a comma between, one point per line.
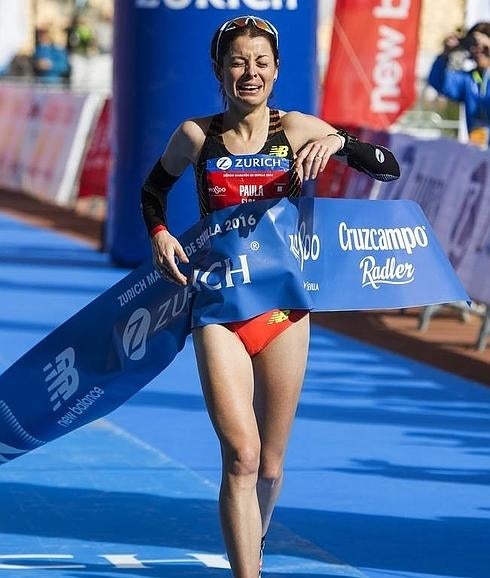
x=96, y=166
x=370, y=79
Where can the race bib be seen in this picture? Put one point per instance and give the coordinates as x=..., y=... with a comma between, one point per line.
x=243, y=178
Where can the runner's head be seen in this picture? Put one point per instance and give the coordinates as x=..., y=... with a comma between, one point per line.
x=252, y=26
x=242, y=46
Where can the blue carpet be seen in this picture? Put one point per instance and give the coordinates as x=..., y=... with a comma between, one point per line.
x=387, y=472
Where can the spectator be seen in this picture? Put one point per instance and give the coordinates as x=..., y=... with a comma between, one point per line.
x=467, y=86
x=50, y=61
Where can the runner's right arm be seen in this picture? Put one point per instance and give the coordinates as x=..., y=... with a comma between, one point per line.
x=178, y=155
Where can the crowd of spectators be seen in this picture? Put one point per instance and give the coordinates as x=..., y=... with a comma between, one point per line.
x=80, y=57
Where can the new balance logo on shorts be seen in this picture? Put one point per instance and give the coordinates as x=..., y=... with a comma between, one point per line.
x=278, y=316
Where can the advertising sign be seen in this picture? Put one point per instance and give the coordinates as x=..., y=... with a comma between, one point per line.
x=370, y=79
x=325, y=254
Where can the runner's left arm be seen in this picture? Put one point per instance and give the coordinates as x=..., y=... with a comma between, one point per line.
x=375, y=160
x=316, y=142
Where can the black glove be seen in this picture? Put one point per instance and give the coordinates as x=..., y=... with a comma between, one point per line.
x=376, y=161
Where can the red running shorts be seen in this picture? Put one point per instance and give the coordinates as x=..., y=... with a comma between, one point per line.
x=257, y=332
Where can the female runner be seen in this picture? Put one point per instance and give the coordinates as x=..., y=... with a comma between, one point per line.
x=251, y=371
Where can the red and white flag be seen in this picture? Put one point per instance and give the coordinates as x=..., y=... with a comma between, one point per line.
x=96, y=165
x=370, y=79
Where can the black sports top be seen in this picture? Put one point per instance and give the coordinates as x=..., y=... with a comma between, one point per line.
x=224, y=179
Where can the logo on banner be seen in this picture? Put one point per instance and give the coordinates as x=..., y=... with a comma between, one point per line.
x=220, y=4
x=135, y=335
x=391, y=272
x=62, y=377
x=304, y=246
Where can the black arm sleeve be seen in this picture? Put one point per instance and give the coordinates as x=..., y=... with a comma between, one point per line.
x=154, y=196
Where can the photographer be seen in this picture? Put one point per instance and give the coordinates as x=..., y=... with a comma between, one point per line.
x=467, y=86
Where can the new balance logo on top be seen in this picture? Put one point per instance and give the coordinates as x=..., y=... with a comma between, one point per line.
x=62, y=377
x=279, y=151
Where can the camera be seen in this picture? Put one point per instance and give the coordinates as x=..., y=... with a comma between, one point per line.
x=459, y=55
x=459, y=48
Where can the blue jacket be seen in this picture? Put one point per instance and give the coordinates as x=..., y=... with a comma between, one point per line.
x=59, y=62
x=468, y=87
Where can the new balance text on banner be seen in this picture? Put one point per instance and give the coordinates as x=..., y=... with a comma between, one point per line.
x=321, y=254
x=370, y=79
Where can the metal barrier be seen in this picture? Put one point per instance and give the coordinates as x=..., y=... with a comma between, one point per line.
x=481, y=310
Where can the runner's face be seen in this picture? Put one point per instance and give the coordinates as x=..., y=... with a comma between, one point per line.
x=249, y=70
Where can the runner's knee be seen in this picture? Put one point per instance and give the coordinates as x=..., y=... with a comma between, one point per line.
x=270, y=474
x=243, y=460
x=271, y=463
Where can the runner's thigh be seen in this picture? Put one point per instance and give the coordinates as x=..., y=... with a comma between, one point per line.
x=279, y=372
x=226, y=376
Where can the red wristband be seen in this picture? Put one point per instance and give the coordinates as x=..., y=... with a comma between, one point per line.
x=156, y=229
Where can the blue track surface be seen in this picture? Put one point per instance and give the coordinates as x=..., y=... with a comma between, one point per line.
x=388, y=471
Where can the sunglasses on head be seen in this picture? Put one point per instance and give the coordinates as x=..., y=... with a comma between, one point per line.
x=242, y=22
